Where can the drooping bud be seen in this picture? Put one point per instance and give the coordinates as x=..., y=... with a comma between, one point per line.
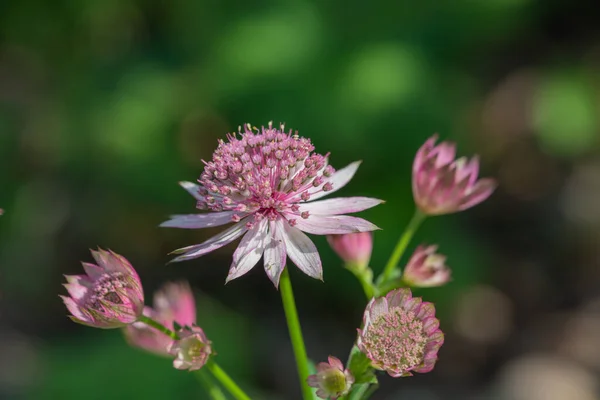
x=192, y=350
x=426, y=268
x=109, y=296
x=331, y=379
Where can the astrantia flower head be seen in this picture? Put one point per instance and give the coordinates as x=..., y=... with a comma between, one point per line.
x=109, y=296
x=264, y=182
x=400, y=334
x=331, y=379
x=174, y=302
x=353, y=248
x=192, y=350
x=426, y=268
x=443, y=185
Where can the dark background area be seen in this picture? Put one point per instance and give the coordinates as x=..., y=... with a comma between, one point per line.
x=105, y=105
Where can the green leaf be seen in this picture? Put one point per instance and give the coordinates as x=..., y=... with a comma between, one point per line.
x=360, y=366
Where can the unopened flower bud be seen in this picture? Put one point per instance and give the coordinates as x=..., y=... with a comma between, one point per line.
x=331, y=379
x=426, y=268
x=192, y=350
x=354, y=248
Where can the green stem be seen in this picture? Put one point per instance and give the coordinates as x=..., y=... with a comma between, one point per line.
x=158, y=326
x=213, y=390
x=365, y=277
x=226, y=381
x=291, y=315
x=403, y=242
x=217, y=371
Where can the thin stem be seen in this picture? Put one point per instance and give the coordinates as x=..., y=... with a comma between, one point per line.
x=217, y=371
x=365, y=277
x=226, y=381
x=403, y=242
x=291, y=315
x=158, y=326
x=213, y=390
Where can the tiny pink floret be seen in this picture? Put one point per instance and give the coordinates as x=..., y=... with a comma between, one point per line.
x=426, y=268
x=109, y=296
x=174, y=302
x=192, y=350
x=400, y=334
x=332, y=380
x=443, y=184
x=265, y=182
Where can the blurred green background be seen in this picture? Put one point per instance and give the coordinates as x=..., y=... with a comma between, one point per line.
x=105, y=105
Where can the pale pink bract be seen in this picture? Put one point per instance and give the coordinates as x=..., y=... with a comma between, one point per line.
x=332, y=380
x=400, y=334
x=262, y=181
x=192, y=350
x=174, y=302
x=426, y=268
x=443, y=185
x=109, y=296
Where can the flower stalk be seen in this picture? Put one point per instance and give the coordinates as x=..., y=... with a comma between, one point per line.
x=414, y=224
x=213, y=367
x=291, y=316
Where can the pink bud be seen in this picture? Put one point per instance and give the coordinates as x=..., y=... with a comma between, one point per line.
x=192, y=350
x=174, y=302
x=443, y=185
x=331, y=379
x=109, y=296
x=353, y=248
x=426, y=268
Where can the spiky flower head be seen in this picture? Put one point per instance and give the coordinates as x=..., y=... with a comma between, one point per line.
x=109, y=296
x=354, y=248
x=400, y=334
x=262, y=180
x=192, y=350
x=174, y=302
x=443, y=185
x=331, y=379
x=426, y=268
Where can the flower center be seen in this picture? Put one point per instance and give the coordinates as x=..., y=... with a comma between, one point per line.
x=397, y=340
x=108, y=288
x=262, y=172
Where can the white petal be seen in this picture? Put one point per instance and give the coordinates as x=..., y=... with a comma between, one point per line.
x=196, y=221
x=302, y=251
x=249, y=251
x=339, y=205
x=275, y=254
x=192, y=189
x=339, y=179
x=215, y=242
x=334, y=225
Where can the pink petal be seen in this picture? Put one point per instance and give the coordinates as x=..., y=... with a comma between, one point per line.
x=481, y=191
x=192, y=189
x=76, y=291
x=340, y=205
x=430, y=325
x=339, y=179
x=196, y=221
x=74, y=309
x=218, y=241
x=335, y=362
x=333, y=224
x=398, y=297
x=93, y=271
x=378, y=308
x=249, y=251
x=302, y=251
x=275, y=252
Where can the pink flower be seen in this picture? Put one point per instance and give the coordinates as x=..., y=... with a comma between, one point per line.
x=109, y=296
x=262, y=181
x=331, y=379
x=174, y=302
x=192, y=350
x=353, y=248
x=443, y=185
x=426, y=268
x=400, y=334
